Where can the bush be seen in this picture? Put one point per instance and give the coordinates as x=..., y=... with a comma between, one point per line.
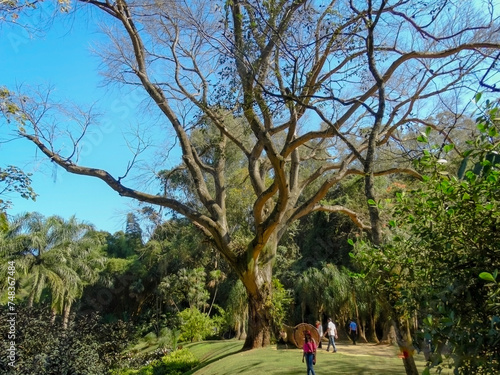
x=176, y=363
x=196, y=325
x=181, y=360
x=150, y=338
x=86, y=347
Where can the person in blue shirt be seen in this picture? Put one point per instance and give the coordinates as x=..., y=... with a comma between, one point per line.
x=353, y=331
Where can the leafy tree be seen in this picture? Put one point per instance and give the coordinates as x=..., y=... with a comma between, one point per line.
x=280, y=304
x=195, y=325
x=112, y=293
x=119, y=245
x=307, y=92
x=31, y=238
x=133, y=230
x=216, y=277
x=186, y=285
x=177, y=244
x=14, y=180
x=322, y=236
x=445, y=234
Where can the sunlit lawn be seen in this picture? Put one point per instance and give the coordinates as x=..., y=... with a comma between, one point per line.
x=225, y=357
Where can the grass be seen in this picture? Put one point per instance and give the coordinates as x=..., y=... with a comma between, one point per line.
x=226, y=357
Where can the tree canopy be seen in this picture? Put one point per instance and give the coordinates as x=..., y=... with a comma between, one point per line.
x=306, y=93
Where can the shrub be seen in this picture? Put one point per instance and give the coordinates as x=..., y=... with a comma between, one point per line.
x=150, y=338
x=181, y=360
x=86, y=347
x=176, y=363
x=196, y=325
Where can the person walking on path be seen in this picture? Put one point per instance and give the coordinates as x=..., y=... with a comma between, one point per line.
x=309, y=353
x=353, y=331
x=319, y=327
x=332, y=335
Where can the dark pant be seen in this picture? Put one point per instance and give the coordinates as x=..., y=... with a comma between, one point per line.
x=353, y=335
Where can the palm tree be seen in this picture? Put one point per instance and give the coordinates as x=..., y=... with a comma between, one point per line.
x=31, y=237
x=310, y=292
x=82, y=250
x=337, y=291
x=52, y=253
x=216, y=277
x=324, y=290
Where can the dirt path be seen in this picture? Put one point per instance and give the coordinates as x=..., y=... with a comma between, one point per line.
x=364, y=349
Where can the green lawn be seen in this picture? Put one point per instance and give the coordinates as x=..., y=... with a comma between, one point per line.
x=225, y=357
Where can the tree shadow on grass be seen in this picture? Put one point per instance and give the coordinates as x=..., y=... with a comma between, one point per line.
x=216, y=356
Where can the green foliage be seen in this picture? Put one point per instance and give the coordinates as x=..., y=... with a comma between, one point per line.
x=195, y=325
x=280, y=302
x=167, y=339
x=444, y=234
x=236, y=306
x=120, y=245
x=176, y=363
x=133, y=231
x=325, y=290
x=179, y=361
x=175, y=244
x=150, y=338
x=493, y=287
x=220, y=322
x=86, y=347
x=187, y=285
x=14, y=180
x=4, y=224
x=55, y=255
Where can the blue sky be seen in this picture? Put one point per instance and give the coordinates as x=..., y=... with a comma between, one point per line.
x=62, y=59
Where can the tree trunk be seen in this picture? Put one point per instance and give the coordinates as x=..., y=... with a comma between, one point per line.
x=53, y=315
x=66, y=311
x=237, y=329
x=406, y=350
x=33, y=291
x=389, y=334
x=259, y=324
x=362, y=331
x=372, y=330
x=31, y=299
x=243, y=329
x=258, y=283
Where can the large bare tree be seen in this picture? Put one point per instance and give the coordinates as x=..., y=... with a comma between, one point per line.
x=306, y=91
